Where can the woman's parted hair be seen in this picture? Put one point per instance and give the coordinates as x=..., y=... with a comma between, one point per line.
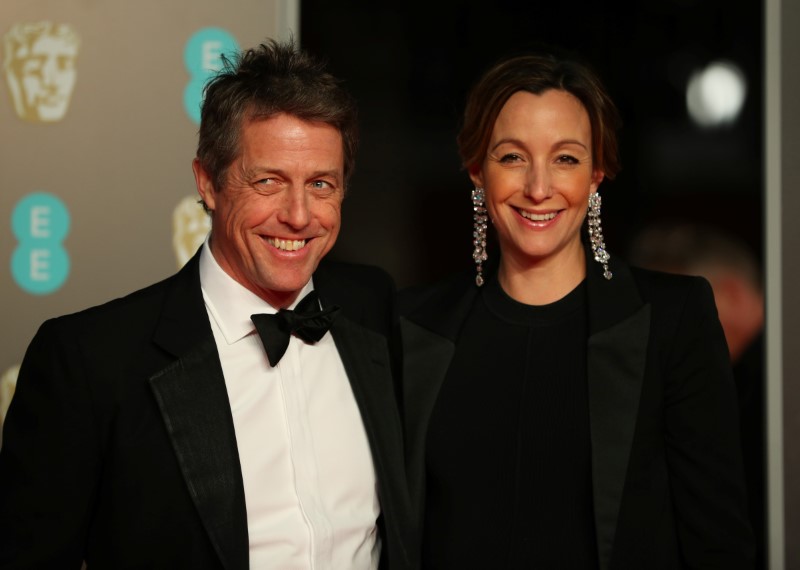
x=537, y=74
x=261, y=82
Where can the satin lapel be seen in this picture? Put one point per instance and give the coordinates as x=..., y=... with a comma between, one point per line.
x=427, y=356
x=365, y=356
x=367, y=361
x=429, y=334
x=194, y=404
x=619, y=325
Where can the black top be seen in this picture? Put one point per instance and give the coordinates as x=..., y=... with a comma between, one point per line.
x=508, y=449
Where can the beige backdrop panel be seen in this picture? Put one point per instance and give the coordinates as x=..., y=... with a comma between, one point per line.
x=120, y=159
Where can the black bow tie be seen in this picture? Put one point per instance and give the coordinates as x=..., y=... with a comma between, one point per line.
x=306, y=322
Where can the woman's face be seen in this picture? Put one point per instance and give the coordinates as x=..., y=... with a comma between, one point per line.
x=537, y=175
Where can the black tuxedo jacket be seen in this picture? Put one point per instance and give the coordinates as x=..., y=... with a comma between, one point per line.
x=119, y=445
x=667, y=478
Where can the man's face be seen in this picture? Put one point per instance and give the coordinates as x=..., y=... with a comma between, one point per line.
x=280, y=210
x=44, y=74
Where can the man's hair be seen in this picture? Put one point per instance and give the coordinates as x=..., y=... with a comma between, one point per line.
x=271, y=79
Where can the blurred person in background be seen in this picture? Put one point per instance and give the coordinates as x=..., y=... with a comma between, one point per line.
x=735, y=275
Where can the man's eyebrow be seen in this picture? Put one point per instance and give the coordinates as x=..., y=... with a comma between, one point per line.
x=259, y=170
x=333, y=173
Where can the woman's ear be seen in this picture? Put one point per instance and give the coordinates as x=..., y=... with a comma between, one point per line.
x=597, y=178
x=476, y=175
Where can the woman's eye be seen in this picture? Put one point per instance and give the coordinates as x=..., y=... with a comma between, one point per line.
x=567, y=159
x=510, y=157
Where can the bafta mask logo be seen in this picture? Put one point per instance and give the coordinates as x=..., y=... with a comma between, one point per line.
x=40, y=69
x=190, y=226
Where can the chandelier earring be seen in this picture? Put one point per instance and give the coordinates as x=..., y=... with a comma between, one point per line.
x=480, y=220
x=596, y=234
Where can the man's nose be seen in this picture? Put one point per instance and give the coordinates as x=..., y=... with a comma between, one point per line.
x=295, y=211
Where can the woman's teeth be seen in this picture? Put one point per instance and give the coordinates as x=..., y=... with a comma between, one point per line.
x=538, y=217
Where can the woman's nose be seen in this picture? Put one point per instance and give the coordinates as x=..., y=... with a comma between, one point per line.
x=537, y=184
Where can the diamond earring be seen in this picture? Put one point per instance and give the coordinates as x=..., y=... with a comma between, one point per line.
x=596, y=234
x=479, y=232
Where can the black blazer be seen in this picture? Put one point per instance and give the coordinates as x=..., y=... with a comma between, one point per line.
x=667, y=476
x=119, y=445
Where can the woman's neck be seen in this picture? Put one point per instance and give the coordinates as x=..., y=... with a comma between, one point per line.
x=541, y=282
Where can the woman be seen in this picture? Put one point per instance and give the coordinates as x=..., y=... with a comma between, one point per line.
x=564, y=410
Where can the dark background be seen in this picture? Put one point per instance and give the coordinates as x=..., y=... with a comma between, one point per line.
x=410, y=65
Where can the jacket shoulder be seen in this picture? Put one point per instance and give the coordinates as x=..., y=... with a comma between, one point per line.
x=131, y=320
x=660, y=287
x=141, y=303
x=365, y=293
x=358, y=275
x=422, y=298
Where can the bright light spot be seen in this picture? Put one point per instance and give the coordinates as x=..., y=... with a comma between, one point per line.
x=715, y=95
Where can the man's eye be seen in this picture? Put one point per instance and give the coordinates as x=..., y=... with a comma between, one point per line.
x=321, y=184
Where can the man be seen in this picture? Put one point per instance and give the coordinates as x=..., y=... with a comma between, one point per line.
x=157, y=431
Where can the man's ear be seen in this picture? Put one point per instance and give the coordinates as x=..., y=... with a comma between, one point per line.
x=204, y=185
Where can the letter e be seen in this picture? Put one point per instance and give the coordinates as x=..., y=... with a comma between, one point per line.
x=40, y=222
x=212, y=50
x=40, y=264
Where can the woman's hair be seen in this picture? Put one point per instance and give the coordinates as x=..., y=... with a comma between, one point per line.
x=259, y=83
x=537, y=74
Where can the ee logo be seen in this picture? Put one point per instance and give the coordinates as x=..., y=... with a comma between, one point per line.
x=202, y=58
x=40, y=264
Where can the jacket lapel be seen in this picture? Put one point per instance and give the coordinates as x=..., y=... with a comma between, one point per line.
x=365, y=357
x=193, y=400
x=619, y=325
x=367, y=361
x=429, y=333
x=428, y=356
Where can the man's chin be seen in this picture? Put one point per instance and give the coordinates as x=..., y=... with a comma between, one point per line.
x=287, y=287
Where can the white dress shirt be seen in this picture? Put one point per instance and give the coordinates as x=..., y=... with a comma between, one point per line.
x=309, y=480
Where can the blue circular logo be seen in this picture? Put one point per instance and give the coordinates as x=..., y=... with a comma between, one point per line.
x=40, y=264
x=202, y=57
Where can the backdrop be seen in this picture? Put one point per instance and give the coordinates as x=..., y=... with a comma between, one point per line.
x=98, y=121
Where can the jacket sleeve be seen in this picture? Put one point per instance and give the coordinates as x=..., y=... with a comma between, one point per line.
x=702, y=441
x=49, y=460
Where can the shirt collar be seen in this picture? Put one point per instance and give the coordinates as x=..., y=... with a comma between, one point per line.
x=230, y=303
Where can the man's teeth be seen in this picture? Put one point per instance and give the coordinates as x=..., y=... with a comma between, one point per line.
x=287, y=244
x=538, y=217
